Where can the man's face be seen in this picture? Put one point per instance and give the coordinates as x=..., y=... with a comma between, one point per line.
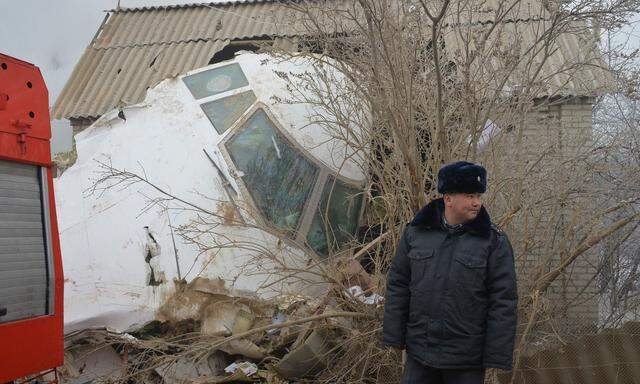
x=463, y=206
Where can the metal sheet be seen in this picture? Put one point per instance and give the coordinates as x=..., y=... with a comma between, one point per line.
x=106, y=78
x=24, y=283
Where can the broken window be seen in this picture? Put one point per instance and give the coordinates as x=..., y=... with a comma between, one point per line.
x=215, y=81
x=279, y=179
x=224, y=112
x=336, y=218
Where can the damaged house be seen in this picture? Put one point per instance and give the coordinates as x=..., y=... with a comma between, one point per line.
x=176, y=115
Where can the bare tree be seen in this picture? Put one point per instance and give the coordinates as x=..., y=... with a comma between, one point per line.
x=489, y=82
x=424, y=83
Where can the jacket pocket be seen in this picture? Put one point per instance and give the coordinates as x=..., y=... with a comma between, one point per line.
x=470, y=269
x=420, y=260
x=470, y=291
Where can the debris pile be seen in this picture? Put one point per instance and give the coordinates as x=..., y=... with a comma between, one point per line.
x=208, y=333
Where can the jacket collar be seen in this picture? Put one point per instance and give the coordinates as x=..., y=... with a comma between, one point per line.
x=430, y=216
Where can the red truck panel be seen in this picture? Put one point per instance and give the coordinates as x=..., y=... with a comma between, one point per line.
x=32, y=345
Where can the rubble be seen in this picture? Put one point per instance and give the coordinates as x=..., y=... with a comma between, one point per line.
x=248, y=369
x=244, y=348
x=185, y=370
x=357, y=293
x=209, y=300
x=226, y=318
x=208, y=333
x=352, y=274
x=88, y=363
x=308, y=358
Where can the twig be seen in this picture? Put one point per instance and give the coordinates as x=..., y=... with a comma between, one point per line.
x=373, y=242
x=289, y=324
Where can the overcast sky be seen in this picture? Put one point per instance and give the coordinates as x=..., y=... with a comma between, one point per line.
x=52, y=34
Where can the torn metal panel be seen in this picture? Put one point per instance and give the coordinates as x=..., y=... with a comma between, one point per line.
x=185, y=371
x=83, y=364
x=225, y=318
x=307, y=359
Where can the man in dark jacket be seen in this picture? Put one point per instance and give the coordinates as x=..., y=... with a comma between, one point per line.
x=451, y=296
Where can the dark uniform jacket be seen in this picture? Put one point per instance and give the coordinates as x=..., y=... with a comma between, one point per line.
x=451, y=297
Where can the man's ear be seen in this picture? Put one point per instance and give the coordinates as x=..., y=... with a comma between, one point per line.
x=447, y=199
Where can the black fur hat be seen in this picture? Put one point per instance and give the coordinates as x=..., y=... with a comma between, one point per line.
x=462, y=177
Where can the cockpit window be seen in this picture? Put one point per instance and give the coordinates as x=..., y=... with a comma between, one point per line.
x=289, y=189
x=336, y=219
x=215, y=81
x=224, y=112
x=279, y=179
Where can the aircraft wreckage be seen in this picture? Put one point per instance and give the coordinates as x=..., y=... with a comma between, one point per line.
x=210, y=170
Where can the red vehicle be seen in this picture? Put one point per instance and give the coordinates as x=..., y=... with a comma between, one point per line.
x=31, y=281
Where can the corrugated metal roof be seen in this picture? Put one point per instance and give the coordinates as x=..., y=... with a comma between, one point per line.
x=573, y=67
x=190, y=5
x=105, y=78
x=205, y=22
x=116, y=67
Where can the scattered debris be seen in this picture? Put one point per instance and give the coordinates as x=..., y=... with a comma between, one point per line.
x=225, y=318
x=353, y=274
x=307, y=359
x=244, y=348
x=247, y=368
x=185, y=370
x=207, y=333
x=89, y=356
x=279, y=318
x=86, y=363
x=203, y=298
x=357, y=293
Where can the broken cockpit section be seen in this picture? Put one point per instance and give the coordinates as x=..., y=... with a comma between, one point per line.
x=292, y=189
x=217, y=146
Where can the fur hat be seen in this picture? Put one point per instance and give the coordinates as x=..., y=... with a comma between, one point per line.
x=462, y=177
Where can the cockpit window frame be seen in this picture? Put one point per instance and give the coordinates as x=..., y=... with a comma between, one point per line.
x=325, y=172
